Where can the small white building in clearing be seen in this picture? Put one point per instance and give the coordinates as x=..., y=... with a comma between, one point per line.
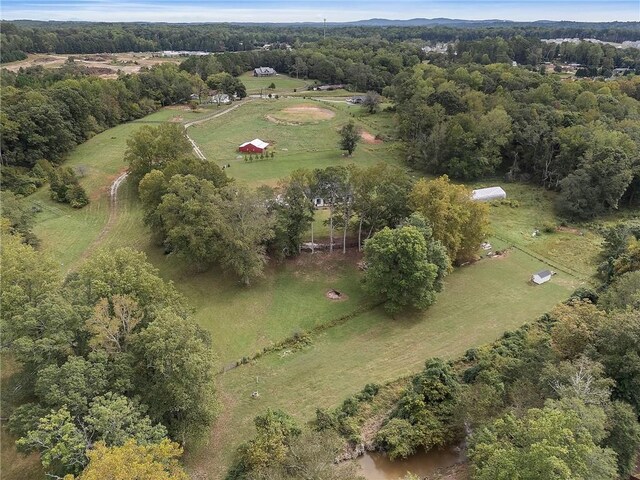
x=541, y=277
x=486, y=194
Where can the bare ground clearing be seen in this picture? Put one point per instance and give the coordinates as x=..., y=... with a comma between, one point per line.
x=369, y=138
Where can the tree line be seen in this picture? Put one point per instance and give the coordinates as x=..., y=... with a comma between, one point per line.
x=196, y=211
x=596, y=58
x=473, y=121
x=47, y=113
x=22, y=37
x=112, y=367
x=363, y=63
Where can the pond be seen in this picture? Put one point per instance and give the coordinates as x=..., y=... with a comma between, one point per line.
x=376, y=466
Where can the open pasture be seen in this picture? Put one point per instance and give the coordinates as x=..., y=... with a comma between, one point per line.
x=302, y=134
x=66, y=232
x=284, y=84
x=479, y=302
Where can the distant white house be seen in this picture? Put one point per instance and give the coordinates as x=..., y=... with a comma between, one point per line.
x=318, y=202
x=491, y=193
x=541, y=277
x=356, y=99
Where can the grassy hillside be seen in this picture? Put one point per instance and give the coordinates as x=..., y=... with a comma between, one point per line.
x=302, y=133
x=480, y=301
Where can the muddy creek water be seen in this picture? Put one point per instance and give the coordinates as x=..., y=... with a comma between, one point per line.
x=375, y=466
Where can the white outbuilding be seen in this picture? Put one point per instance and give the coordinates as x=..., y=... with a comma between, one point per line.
x=541, y=277
x=490, y=193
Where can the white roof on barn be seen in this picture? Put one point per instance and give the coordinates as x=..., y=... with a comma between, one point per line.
x=488, y=193
x=256, y=142
x=543, y=273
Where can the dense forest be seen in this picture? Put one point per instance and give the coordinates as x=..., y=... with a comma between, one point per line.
x=45, y=113
x=20, y=38
x=580, y=138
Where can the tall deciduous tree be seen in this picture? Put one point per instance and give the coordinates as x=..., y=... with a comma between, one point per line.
x=174, y=365
x=244, y=232
x=124, y=271
x=401, y=268
x=153, y=147
x=457, y=221
x=371, y=102
x=379, y=197
x=545, y=443
x=349, y=137
x=132, y=461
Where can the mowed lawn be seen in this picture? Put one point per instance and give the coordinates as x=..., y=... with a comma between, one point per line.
x=573, y=248
x=283, y=84
x=478, y=304
x=311, y=143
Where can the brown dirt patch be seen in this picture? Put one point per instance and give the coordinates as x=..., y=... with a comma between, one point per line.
x=44, y=60
x=369, y=138
x=500, y=255
x=335, y=295
x=177, y=119
x=301, y=114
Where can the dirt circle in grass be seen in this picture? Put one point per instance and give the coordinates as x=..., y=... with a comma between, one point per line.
x=301, y=114
x=335, y=295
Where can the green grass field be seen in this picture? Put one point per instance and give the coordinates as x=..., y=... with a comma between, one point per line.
x=283, y=83
x=308, y=145
x=480, y=301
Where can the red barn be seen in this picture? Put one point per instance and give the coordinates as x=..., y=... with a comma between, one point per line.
x=254, y=146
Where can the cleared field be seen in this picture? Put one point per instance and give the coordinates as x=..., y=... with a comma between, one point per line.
x=479, y=303
x=105, y=65
x=573, y=248
x=283, y=83
x=301, y=145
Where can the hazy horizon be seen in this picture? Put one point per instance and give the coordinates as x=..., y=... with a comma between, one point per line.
x=274, y=11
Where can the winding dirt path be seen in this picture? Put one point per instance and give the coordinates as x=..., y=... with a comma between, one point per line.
x=113, y=215
x=115, y=185
x=196, y=149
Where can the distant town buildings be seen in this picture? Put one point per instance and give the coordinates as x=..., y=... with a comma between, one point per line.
x=440, y=47
x=625, y=44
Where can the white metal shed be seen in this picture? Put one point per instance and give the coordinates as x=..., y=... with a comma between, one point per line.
x=490, y=193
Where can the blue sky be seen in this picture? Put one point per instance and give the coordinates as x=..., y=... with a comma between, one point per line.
x=310, y=11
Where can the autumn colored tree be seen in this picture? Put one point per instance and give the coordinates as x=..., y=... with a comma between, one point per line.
x=460, y=223
x=133, y=461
